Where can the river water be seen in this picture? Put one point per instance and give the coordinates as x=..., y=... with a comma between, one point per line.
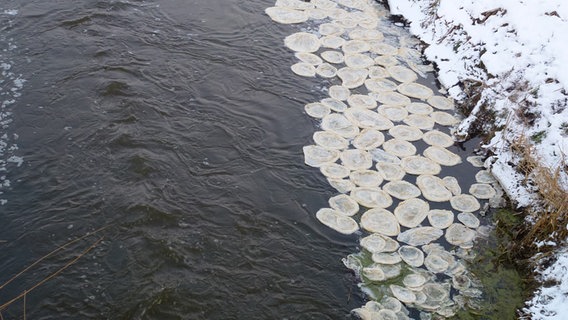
x=175, y=124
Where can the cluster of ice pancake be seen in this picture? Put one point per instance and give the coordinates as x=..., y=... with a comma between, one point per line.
x=382, y=147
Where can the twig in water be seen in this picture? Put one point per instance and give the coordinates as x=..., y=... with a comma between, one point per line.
x=51, y=276
x=50, y=254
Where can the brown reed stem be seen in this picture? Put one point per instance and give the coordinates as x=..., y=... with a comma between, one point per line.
x=51, y=276
x=50, y=254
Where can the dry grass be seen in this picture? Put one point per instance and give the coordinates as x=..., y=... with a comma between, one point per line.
x=23, y=295
x=551, y=219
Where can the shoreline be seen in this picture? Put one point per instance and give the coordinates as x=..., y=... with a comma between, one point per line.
x=518, y=106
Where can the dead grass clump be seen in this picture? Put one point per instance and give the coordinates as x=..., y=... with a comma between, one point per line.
x=551, y=220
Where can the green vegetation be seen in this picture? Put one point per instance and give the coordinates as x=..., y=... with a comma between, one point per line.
x=537, y=137
x=504, y=288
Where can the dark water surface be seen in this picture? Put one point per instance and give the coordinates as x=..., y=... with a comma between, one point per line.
x=179, y=125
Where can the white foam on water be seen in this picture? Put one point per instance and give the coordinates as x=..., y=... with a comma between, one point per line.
x=11, y=85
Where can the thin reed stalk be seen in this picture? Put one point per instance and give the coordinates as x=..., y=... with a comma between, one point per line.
x=51, y=276
x=51, y=254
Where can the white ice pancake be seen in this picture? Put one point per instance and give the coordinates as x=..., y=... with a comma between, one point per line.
x=316, y=156
x=356, y=159
x=482, y=191
x=392, y=98
x=366, y=178
x=393, y=113
x=352, y=77
x=333, y=42
x=440, y=219
x=438, y=138
x=331, y=29
x=355, y=46
x=415, y=90
x=419, y=121
x=286, y=15
x=469, y=219
x=410, y=213
x=331, y=56
x=339, y=124
x=413, y=256
x=419, y=165
x=344, y=204
x=378, y=72
x=302, y=42
x=402, y=74
x=442, y=156
x=334, y=104
x=304, y=69
x=465, y=203
x=399, y=148
x=380, y=221
x=402, y=190
x=444, y=118
x=358, y=60
x=383, y=49
x=337, y=221
x=441, y=103
x=339, y=93
x=386, y=61
x=309, y=58
x=334, y=171
x=326, y=70
x=405, y=132
x=330, y=140
x=368, y=139
x=458, y=235
x=371, y=197
x=379, y=85
x=367, y=119
x=361, y=101
x=317, y=110
x=433, y=188
x=419, y=108
x=420, y=236
x=390, y=171
x=341, y=185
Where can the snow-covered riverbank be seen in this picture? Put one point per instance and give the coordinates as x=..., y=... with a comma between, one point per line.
x=506, y=62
